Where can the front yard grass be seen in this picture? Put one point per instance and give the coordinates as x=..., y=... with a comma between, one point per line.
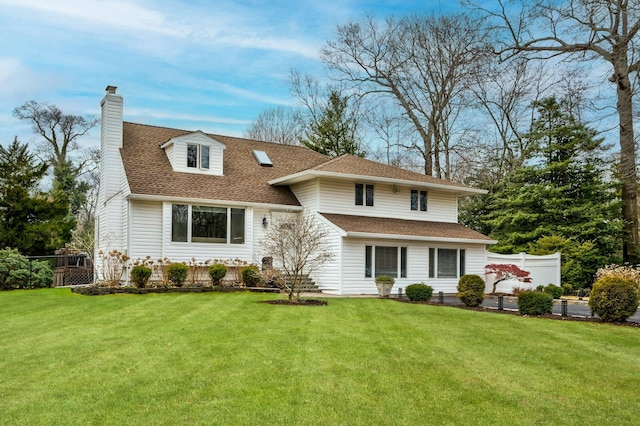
x=223, y=358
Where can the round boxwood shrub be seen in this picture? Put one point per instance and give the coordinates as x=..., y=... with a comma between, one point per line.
x=554, y=290
x=535, y=303
x=250, y=275
x=471, y=290
x=419, y=292
x=140, y=275
x=177, y=273
x=614, y=299
x=217, y=272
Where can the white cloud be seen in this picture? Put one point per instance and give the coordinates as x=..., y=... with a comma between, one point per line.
x=167, y=115
x=113, y=13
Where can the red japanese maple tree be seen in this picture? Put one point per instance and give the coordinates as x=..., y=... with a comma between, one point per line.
x=505, y=272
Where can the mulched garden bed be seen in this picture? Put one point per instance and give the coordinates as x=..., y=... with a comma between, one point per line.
x=98, y=291
x=305, y=302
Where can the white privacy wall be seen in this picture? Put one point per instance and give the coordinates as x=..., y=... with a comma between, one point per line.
x=544, y=270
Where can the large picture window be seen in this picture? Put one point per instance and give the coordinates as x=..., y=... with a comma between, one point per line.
x=446, y=263
x=383, y=260
x=207, y=224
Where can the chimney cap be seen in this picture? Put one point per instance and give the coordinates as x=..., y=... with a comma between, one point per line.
x=111, y=89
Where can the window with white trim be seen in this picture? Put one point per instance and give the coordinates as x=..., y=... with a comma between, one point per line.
x=198, y=156
x=446, y=263
x=364, y=195
x=418, y=200
x=207, y=224
x=385, y=260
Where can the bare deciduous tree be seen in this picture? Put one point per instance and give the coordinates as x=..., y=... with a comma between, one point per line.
x=604, y=30
x=60, y=131
x=422, y=62
x=299, y=246
x=280, y=125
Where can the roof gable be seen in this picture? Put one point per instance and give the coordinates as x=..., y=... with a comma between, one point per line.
x=205, y=152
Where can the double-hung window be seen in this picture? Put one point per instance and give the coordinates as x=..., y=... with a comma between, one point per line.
x=419, y=200
x=198, y=156
x=207, y=224
x=446, y=263
x=384, y=260
x=364, y=194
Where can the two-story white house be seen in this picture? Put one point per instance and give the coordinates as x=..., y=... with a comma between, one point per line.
x=186, y=194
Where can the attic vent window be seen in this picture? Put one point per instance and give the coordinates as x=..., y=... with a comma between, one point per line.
x=262, y=158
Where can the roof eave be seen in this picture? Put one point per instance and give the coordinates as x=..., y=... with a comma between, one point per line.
x=191, y=200
x=312, y=174
x=418, y=238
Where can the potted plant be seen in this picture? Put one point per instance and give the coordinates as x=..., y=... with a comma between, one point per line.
x=384, y=283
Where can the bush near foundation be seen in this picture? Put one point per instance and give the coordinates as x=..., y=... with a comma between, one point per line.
x=140, y=275
x=535, y=303
x=471, y=290
x=419, y=292
x=250, y=275
x=217, y=272
x=614, y=299
x=177, y=273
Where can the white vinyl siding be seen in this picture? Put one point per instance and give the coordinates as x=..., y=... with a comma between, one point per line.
x=353, y=274
x=337, y=196
x=146, y=230
x=308, y=194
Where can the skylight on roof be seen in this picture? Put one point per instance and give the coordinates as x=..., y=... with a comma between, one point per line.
x=262, y=158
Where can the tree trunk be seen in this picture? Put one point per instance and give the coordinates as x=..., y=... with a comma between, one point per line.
x=628, y=170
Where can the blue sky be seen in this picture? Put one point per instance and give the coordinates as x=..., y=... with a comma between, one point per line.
x=197, y=65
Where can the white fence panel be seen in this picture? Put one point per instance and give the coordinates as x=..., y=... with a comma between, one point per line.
x=543, y=269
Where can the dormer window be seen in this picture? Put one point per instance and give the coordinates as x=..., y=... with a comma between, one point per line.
x=198, y=156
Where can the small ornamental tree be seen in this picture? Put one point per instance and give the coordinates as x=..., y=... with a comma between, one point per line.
x=505, y=272
x=299, y=245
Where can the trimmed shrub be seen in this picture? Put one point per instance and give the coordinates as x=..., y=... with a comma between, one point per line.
x=567, y=289
x=140, y=275
x=385, y=279
x=614, y=299
x=554, y=290
x=15, y=271
x=540, y=288
x=250, y=275
x=419, y=292
x=471, y=290
x=177, y=273
x=217, y=272
x=535, y=303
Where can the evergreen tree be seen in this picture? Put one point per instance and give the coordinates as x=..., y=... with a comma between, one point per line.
x=333, y=133
x=561, y=191
x=33, y=222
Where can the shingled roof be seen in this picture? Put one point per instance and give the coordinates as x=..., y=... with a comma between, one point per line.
x=352, y=166
x=362, y=226
x=149, y=171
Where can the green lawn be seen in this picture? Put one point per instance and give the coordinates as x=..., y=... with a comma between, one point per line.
x=222, y=358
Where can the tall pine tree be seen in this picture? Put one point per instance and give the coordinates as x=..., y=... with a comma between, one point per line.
x=35, y=223
x=562, y=191
x=334, y=132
